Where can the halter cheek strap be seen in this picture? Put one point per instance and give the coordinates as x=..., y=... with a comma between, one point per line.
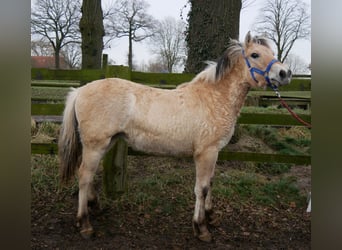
x=264, y=73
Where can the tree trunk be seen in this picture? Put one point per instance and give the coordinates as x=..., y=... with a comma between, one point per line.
x=92, y=30
x=57, y=66
x=211, y=24
x=130, y=51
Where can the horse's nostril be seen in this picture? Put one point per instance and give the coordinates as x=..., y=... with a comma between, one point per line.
x=289, y=73
x=282, y=74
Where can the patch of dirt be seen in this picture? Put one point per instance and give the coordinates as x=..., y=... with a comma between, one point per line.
x=249, y=144
x=248, y=226
x=303, y=178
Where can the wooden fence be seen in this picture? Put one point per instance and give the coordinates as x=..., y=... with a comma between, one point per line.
x=115, y=161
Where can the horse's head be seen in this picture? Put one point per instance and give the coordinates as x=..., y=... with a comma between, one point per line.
x=264, y=69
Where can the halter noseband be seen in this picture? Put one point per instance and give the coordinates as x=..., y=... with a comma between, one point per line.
x=264, y=73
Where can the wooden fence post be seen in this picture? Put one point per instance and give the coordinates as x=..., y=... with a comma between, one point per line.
x=115, y=169
x=115, y=161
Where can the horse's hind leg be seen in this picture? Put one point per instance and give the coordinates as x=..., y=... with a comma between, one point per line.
x=205, y=165
x=90, y=161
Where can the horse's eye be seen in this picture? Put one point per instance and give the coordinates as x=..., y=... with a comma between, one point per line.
x=255, y=55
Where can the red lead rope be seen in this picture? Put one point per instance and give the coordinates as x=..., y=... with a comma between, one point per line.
x=293, y=113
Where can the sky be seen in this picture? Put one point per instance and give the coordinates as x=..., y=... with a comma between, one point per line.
x=160, y=9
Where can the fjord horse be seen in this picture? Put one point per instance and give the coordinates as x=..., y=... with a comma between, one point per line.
x=197, y=119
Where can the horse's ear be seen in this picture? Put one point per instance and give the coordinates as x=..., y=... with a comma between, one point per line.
x=248, y=39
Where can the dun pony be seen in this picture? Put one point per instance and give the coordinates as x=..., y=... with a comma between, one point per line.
x=196, y=119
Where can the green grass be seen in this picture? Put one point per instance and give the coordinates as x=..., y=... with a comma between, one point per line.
x=44, y=174
x=240, y=187
x=50, y=93
x=273, y=110
x=272, y=169
x=291, y=141
x=45, y=132
x=45, y=177
x=160, y=188
x=49, y=128
x=282, y=192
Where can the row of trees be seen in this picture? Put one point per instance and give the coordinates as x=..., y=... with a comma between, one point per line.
x=57, y=28
x=55, y=23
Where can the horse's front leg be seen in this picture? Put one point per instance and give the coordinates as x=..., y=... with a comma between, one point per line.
x=210, y=215
x=205, y=166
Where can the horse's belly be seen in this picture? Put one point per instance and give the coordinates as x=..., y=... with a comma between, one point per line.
x=161, y=145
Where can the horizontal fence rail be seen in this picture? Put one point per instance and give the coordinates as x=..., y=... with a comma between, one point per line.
x=244, y=118
x=41, y=111
x=52, y=149
x=55, y=83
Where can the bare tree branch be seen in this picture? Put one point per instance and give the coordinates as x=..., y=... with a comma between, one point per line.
x=168, y=42
x=284, y=22
x=297, y=65
x=57, y=22
x=72, y=55
x=41, y=47
x=130, y=19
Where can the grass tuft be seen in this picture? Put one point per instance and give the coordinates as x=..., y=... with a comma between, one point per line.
x=293, y=141
x=272, y=169
x=240, y=187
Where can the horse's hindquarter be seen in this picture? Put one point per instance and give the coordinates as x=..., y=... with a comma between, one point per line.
x=103, y=108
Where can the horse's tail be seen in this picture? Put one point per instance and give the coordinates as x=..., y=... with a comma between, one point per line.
x=69, y=144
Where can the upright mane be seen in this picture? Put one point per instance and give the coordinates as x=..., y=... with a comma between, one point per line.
x=229, y=58
x=262, y=40
x=216, y=70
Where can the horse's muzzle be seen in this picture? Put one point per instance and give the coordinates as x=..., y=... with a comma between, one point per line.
x=285, y=77
x=283, y=74
x=280, y=75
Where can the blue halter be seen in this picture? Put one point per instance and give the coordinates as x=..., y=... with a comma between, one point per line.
x=264, y=73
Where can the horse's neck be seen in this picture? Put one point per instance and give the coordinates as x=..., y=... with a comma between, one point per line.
x=235, y=92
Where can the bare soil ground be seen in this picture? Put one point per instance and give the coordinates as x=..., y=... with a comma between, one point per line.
x=160, y=218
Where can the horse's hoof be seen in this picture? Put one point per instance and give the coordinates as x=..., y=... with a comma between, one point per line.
x=215, y=222
x=206, y=237
x=94, y=203
x=87, y=233
x=215, y=219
